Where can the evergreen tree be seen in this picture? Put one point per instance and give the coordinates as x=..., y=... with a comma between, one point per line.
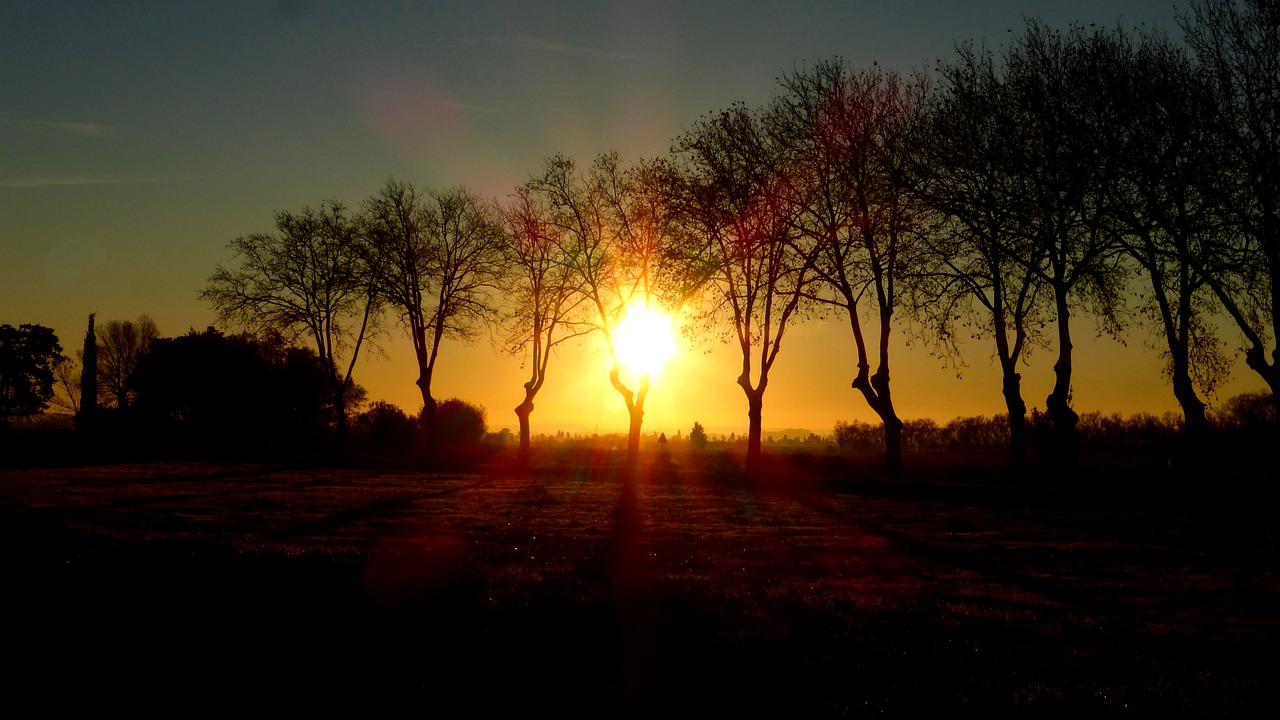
x=89, y=379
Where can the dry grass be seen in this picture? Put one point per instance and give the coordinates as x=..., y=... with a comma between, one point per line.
x=688, y=592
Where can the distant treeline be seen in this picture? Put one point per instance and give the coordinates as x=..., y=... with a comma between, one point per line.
x=1102, y=172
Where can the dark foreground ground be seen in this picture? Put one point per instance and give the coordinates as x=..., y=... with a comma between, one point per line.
x=168, y=588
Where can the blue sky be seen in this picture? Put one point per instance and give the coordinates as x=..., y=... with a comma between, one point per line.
x=138, y=138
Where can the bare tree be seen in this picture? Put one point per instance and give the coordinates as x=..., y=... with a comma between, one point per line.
x=1063, y=150
x=544, y=297
x=611, y=220
x=120, y=344
x=66, y=383
x=438, y=260
x=312, y=278
x=737, y=213
x=1237, y=42
x=847, y=136
x=1161, y=209
x=970, y=280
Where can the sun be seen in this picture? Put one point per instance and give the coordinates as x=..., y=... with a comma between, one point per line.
x=642, y=340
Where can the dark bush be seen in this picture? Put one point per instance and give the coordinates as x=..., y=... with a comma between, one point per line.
x=460, y=426
x=384, y=429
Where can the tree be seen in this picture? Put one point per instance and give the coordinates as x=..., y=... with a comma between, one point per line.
x=544, y=298
x=612, y=222
x=736, y=243
x=1064, y=148
x=66, y=384
x=698, y=437
x=28, y=355
x=120, y=344
x=1237, y=43
x=88, y=412
x=255, y=392
x=461, y=424
x=847, y=137
x=970, y=279
x=313, y=278
x=1160, y=208
x=439, y=258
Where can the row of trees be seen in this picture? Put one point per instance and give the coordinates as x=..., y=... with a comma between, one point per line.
x=34, y=372
x=994, y=199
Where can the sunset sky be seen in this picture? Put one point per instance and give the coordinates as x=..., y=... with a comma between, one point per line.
x=138, y=138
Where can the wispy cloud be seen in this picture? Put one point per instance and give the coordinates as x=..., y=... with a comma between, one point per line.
x=78, y=180
x=476, y=108
x=532, y=44
x=65, y=128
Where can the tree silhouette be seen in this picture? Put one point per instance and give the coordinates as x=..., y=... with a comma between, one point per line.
x=120, y=344
x=613, y=223
x=847, y=138
x=28, y=355
x=544, y=298
x=438, y=261
x=66, y=379
x=971, y=281
x=312, y=278
x=1160, y=208
x=698, y=437
x=1238, y=46
x=737, y=243
x=252, y=394
x=87, y=416
x=1064, y=149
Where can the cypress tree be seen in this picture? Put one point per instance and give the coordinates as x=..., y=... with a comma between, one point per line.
x=89, y=379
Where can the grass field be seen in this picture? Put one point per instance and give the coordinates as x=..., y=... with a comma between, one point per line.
x=169, y=587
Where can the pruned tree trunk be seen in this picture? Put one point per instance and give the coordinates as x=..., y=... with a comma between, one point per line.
x=1058, y=404
x=429, y=444
x=755, y=404
x=1017, y=410
x=635, y=413
x=523, y=411
x=875, y=388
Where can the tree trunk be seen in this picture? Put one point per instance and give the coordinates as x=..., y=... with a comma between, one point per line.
x=1058, y=404
x=1017, y=410
x=633, y=436
x=1193, y=417
x=755, y=401
x=875, y=388
x=523, y=410
x=88, y=414
x=429, y=446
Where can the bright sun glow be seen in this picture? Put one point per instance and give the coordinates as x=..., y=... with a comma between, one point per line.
x=643, y=340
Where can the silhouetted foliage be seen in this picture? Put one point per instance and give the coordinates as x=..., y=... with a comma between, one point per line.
x=437, y=259
x=545, y=305
x=847, y=139
x=233, y=393
x=971, y=284
x=460, y=426
x=120, y=345
x=87, y=414
x=1237, y=44
x=698, y=437
x=1251, y=410
x=612, y=222
x=1160, y=207
x=737, y=243
x=311, y=279
x=28, y=355
x=384, y=429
